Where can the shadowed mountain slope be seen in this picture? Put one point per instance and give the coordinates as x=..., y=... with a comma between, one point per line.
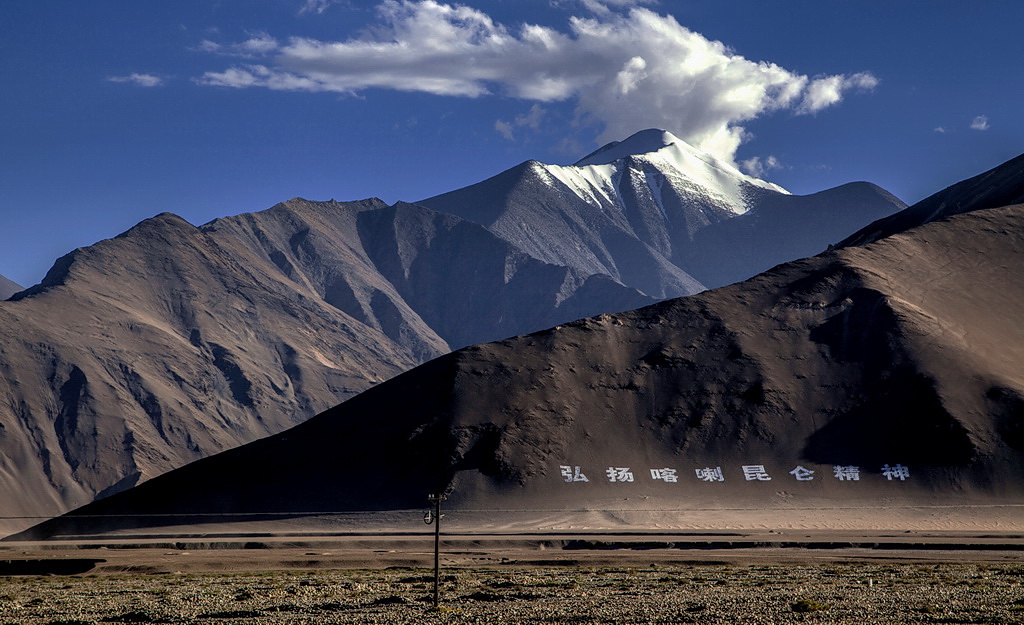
x=1000, y=186
x=427, y=280
x=8, y=288
x=163, y=345
x=898, y=363
x=170, y=342
x=657, y=215
x=471, y=286
x=782, y=228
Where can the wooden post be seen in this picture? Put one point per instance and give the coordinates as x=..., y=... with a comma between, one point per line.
x=436, y=499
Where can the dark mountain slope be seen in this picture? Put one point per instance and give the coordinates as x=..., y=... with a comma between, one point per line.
x=537, y=214
x=1000, y=186
x=471, y=286
x=427, y=280
x=8, y=288
x=905, y=354
x=317, y=247
x=657, y=215
x=170, y=342
x=782, y=228
x=163, y=345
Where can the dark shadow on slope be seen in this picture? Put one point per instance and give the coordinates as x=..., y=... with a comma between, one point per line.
x=347, y=462
x=1008, y=407
x=902, y=420
x=1000, y=186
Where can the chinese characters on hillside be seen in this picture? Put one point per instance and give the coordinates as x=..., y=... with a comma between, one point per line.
x=619, y=474
x=573, y=474
x=748, y=472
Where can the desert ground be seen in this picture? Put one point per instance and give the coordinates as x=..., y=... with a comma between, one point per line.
x=710, y=576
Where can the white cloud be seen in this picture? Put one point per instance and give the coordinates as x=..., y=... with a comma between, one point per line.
x=142, y=80
x=758, y=167
x=603, y=7
x=259, y=76
x=980, y=123
x=257, y=45
x=625, y=69
x=823, y=92
x=530, y=120
x=315, y=6
x=505, y=129
x=940, y=129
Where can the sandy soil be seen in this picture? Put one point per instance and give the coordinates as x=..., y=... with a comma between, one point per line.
x=653, y=586
x=264, y=552
x=312, y=575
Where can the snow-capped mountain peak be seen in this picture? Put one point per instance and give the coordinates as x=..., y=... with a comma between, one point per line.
x=664, y=147
x=657, y=163
x=643, y=142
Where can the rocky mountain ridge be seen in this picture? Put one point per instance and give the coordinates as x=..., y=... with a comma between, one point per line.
x=888, y=373
x=991, y=189
x=663, y=220
x=172, y=342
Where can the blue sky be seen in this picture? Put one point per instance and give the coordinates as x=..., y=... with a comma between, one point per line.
x=114, y=111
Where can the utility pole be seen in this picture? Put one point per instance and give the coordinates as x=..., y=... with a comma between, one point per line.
x=435, y=518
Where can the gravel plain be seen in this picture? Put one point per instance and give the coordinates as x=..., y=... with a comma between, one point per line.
x=862, y=592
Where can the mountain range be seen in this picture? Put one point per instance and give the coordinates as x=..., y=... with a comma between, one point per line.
x=658, y=215
x=876, y=374
x=172, y=342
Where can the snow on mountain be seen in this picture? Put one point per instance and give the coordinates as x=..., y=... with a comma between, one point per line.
x=656, y=214
x=601, y=172
x=906, y=349
x=239, y=328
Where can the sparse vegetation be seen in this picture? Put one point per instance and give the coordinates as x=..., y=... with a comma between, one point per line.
x=807, y=605
x=950, y=593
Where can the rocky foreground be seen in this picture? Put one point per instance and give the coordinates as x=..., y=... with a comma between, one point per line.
x=706, y=593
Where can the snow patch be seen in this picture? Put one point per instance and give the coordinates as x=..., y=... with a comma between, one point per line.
x=595, y=178
x=592, y=184
x=654, y=183
x=643, y=142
